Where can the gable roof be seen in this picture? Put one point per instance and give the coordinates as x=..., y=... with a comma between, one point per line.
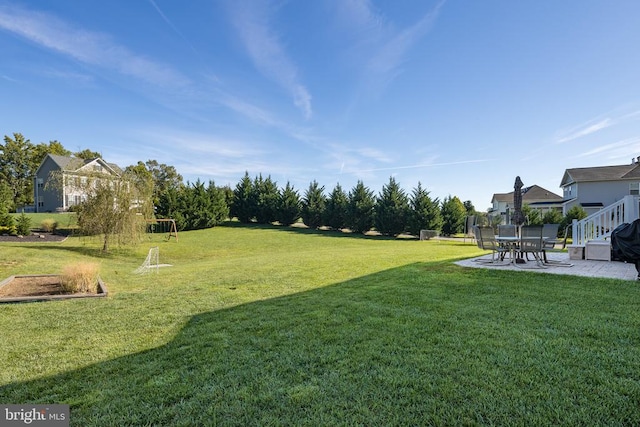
x=532, y=193
x=71, y=164
x=601, y=173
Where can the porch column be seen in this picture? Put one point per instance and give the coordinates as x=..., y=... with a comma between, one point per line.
x=631, y=211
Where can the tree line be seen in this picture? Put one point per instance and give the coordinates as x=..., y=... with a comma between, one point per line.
x=391, y=212
x=260, y=200
x=199, y=205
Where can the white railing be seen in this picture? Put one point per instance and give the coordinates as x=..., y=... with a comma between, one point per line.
x=599, y=225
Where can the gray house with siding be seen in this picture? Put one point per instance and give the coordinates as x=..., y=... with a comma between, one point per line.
x=49, y=196
x=597, y=187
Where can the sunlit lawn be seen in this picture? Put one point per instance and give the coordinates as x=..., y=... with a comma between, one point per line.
x=273, y=326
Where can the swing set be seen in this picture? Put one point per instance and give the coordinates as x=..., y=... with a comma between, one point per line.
x=163, y=225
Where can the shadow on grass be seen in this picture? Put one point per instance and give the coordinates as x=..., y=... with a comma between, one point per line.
x=82, y=250
x=421, y=344
x=314, y=231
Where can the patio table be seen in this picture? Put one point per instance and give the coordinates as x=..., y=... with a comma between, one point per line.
x=513, y=243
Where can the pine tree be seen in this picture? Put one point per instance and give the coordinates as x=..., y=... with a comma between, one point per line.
x=425, y=212
x=219, y=210
x=243, y=207
x=360, y=213
x=313, y=205
x=391, y=209
x=289, y=206
x=336, y=209
x=453, y=216
x=265, y=195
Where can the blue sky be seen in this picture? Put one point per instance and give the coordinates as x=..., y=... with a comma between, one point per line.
x=461, y=96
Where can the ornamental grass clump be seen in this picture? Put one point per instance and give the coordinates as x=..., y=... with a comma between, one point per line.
x=80, y=278
x=49, y=225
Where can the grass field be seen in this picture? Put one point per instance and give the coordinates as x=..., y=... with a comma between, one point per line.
x=273, y=326
x=64, y=220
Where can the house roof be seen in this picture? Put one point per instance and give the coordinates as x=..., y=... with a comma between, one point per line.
x=67, y=163
x=74, y=163
x=601, y=173
x=531, y=194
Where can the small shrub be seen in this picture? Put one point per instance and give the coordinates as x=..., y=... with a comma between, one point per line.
x=81, y=277
x=49, y=225
x=7, y=223
x=23, y=225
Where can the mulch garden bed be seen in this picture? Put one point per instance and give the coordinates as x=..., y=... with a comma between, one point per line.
x=40, y=288
x=33, y=237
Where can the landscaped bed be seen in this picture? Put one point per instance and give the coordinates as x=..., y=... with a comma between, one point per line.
x=42, y=287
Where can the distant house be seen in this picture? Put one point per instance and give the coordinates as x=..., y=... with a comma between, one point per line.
x=535, y=196
x=51, y=197
x=597, y=187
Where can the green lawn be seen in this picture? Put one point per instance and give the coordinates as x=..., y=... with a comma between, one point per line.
x=64, y=220
x=272, y=326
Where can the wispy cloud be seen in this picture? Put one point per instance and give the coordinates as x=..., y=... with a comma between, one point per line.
x=386, y=47
x=200, y=143
x=592, y=126
x=249, y=110
x=360, y=15
x=386, y=64
x=619, y=151
x=89, y=47
x=173, y=27
x=422, y=166
x=252, y=21
x=81, y=78
x=9, y=79
x=596, y=124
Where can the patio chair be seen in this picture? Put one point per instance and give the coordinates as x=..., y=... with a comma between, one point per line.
x=486, y=240
x=531, y=243
x=551, y=240
x=508, y=230
x=550, y=235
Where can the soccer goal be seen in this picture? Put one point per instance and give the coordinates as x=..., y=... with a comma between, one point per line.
x=151, y=263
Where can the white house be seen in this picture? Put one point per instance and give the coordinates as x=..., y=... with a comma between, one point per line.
x=52, y=197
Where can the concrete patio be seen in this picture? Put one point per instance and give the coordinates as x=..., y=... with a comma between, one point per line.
x=608, y=269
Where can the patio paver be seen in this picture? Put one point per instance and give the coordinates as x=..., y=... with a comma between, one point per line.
x=590, y=268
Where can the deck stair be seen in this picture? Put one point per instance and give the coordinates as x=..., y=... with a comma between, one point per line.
x=599, y=225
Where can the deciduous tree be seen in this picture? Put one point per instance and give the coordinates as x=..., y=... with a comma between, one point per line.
x=87, y=154
x=17, y=168
x=115, y=208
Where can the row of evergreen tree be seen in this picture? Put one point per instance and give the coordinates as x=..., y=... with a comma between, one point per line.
x=260, y=200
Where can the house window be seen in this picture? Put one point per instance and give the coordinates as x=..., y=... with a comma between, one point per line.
x=40, y=183
x=568, y=192
x=634, y=188
x=40, y=201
